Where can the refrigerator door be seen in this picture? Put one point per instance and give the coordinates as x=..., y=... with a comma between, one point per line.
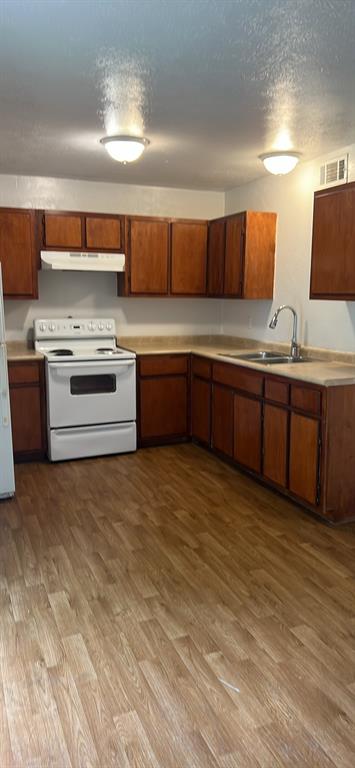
x=2, y=317
x=7, y=478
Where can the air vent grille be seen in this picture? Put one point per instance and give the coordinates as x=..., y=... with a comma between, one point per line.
x=334, y=172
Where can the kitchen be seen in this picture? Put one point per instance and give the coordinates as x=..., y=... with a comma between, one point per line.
x=177, y=571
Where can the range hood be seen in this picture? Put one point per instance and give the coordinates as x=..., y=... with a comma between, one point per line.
x=83, y=261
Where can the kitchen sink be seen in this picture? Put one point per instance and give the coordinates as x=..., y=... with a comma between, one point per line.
x=286, y=359
x=268, y=358
x=255, y=356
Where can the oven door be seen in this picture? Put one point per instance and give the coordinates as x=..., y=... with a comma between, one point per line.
x=85, y=393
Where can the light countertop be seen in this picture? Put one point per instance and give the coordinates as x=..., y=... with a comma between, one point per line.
x=325, y=372
x=19, y=350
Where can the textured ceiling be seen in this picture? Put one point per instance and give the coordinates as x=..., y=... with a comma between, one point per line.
x=212, y=84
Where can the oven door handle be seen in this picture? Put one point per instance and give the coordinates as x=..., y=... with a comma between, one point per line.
x=91, y=363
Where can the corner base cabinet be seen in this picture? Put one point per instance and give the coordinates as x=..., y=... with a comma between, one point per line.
x=27, y=400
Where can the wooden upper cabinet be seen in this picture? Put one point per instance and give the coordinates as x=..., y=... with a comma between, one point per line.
x=188, y=258
x=148, y=246
x=104, y=233
x=216, y=249
x=259, y=255
x=233, y=261
x=333, y=243
x=241, y=255
x=63, y=230
x=18, y=255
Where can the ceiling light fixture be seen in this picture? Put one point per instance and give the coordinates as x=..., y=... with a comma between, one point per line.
x=280, y=163
x=124, y=149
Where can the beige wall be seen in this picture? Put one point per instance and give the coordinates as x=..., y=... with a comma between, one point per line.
x=88, y=294
x=329, y=324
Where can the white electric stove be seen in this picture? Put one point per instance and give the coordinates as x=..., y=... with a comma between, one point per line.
x=91, y=388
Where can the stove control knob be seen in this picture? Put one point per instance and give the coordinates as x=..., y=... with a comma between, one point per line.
x=101, y=327
x=109, y=326
x=42, y=327
x=51, y=327
x=91, y=326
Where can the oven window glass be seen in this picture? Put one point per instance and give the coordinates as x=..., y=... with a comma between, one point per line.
x=95, y=384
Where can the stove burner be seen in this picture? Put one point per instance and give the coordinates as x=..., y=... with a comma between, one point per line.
x=106, y=351
x=61, y=352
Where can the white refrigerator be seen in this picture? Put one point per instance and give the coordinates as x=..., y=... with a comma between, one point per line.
x=7, y=477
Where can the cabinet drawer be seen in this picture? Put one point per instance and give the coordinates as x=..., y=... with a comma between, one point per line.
x=238, y=378
x=24, y=373
x=201, y=367
x=161, y=365
x=306, y=399
x=277, y=391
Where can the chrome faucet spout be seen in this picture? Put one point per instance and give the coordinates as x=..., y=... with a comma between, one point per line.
x=295, y=347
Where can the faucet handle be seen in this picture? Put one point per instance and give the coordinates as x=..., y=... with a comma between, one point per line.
x=295, y=350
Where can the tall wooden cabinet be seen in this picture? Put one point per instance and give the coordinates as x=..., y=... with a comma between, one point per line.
x=241, y=256
x=19, y=253
x=333, y=243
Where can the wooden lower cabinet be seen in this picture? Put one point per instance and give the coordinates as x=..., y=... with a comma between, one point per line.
x=222, y=419
x=275, y=444
x=163, y=408
x=27, y=400
x=201, y=392
x=247, y=432
x=163, y=399
x=304, y=457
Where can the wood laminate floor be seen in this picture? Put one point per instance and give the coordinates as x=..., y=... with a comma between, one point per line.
x=160, y=610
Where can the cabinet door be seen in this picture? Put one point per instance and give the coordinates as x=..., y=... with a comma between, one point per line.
x=103, y=233
x=201, y=410
x=259, y=255
x=275, y=444
x=247, y=432
x=61, y=230
x=18, y=256
x=149, y=256
x=304, y=457
x=222, y=419
x=26, y=419
x=163, y=407
x=333, y=243
x=233, y=256
x=216, y=246
x=188, y=258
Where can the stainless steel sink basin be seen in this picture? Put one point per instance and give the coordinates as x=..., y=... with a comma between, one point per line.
x=255, y=356
x=284, y=359
x=268, y=358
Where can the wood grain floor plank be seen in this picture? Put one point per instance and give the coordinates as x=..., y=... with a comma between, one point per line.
x=136, y=590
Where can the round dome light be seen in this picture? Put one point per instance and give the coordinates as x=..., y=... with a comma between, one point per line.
x=280, y=163
x=124, y=149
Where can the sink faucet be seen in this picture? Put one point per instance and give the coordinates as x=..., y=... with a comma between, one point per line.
x=295, y=347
